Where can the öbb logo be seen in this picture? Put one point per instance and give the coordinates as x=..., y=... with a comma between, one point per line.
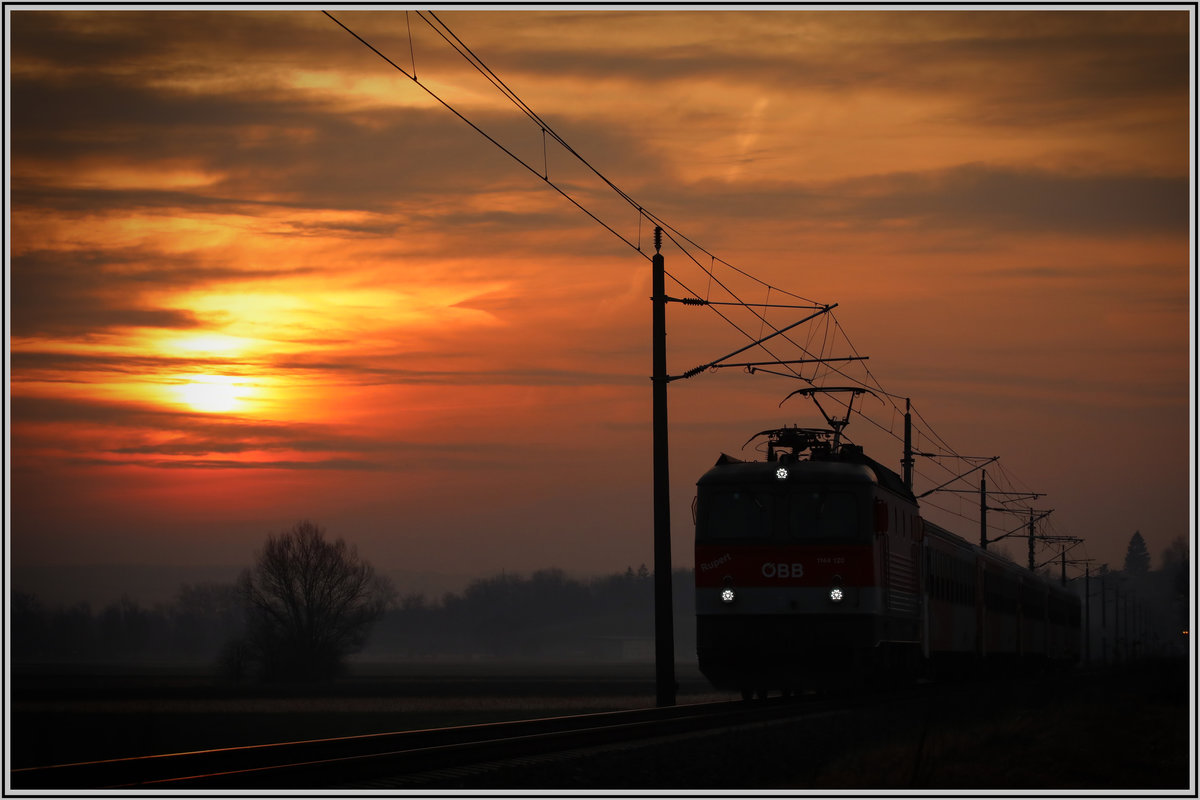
x=773, y=570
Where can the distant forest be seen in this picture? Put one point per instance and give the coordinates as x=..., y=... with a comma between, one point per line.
x=546, y=615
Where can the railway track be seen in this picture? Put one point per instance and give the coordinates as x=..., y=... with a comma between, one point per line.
x=386, y=759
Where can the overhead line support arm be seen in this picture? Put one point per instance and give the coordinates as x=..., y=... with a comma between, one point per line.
x=781, y=331
x=754, y=365
x=698, y=301
x=956, y=477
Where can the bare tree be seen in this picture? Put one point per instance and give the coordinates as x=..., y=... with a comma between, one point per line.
x=310, y=602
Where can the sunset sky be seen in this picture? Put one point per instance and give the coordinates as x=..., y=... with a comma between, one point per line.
x=258, y=275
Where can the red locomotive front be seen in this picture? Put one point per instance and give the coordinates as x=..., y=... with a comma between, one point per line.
x=806, y=566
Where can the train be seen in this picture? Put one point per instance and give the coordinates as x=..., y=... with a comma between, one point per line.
x=815, y=568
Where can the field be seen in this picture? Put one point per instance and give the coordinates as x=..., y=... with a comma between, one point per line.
x=1117, y=730
x=62, y=715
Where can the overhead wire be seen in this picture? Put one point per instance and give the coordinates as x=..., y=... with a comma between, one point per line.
x=452, y=39
x=486, y=71
x=674, y=234
x=831, y=326
x=484, y=134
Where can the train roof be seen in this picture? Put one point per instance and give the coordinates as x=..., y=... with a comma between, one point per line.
x=732, y=470
x=847, y=464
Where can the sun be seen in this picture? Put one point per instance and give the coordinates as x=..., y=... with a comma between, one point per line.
x=211, y=393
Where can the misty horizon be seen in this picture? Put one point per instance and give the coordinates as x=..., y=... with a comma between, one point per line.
x=146, y=584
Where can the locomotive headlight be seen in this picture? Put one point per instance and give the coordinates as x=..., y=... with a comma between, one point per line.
x=727, y=595
x=836, y=594
x=781, y=473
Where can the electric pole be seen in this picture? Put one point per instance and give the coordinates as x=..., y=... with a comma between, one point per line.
x=1087, y=614
x=983, y=540
x=1032, y=537
x=906, y=462
x=664, y=622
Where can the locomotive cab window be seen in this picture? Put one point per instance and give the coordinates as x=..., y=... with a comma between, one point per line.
x=740, y=513
x=806, y=514
x=822, y=514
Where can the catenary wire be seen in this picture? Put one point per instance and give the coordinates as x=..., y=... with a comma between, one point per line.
x=676, y=236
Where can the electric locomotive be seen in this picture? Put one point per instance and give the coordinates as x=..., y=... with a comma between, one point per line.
x=815, y=566
x=794, y=573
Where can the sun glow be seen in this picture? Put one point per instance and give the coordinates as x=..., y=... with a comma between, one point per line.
x=212, y=393
x=208, y=343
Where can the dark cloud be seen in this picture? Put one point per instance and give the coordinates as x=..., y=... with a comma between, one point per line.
x=75, y=200
x=53, y=365
x=336, y=464
x=134, y=415
x=1097, y=277
x=976, y=196
x=409, y=165
x=180, y=43
x=304, y=155
x=365, y=374
x=72, y=292
x=285, y=147
x=377, y=370
x=198, y=434
x=996, y=60
x=86, y=291
x=195, y=438
x=1027, y=200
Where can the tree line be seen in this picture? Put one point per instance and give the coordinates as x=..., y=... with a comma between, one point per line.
x=545, y=615
x=309, y=602
x=194, y=626
x=1136, y=611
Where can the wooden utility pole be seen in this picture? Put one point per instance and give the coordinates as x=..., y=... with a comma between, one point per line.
x=664, y=622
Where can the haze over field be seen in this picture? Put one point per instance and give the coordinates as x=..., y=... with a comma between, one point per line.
x=258, y=275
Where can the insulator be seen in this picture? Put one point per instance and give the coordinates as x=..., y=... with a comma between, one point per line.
x=695, y=371
x=657, y=239
x=694, y=301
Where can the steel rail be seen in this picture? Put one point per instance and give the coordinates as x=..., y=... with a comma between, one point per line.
x=342, y=760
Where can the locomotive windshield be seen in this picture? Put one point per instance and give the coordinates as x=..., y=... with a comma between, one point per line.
x=821, y=514
x=757, y=513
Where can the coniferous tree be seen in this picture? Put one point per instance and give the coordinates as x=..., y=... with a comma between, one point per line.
x=1137, y=556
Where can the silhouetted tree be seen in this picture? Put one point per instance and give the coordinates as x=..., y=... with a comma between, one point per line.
x=28, y=625
x=1176, y=579
x=1175, y=556
x=1137, y=557
x=309, y=603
